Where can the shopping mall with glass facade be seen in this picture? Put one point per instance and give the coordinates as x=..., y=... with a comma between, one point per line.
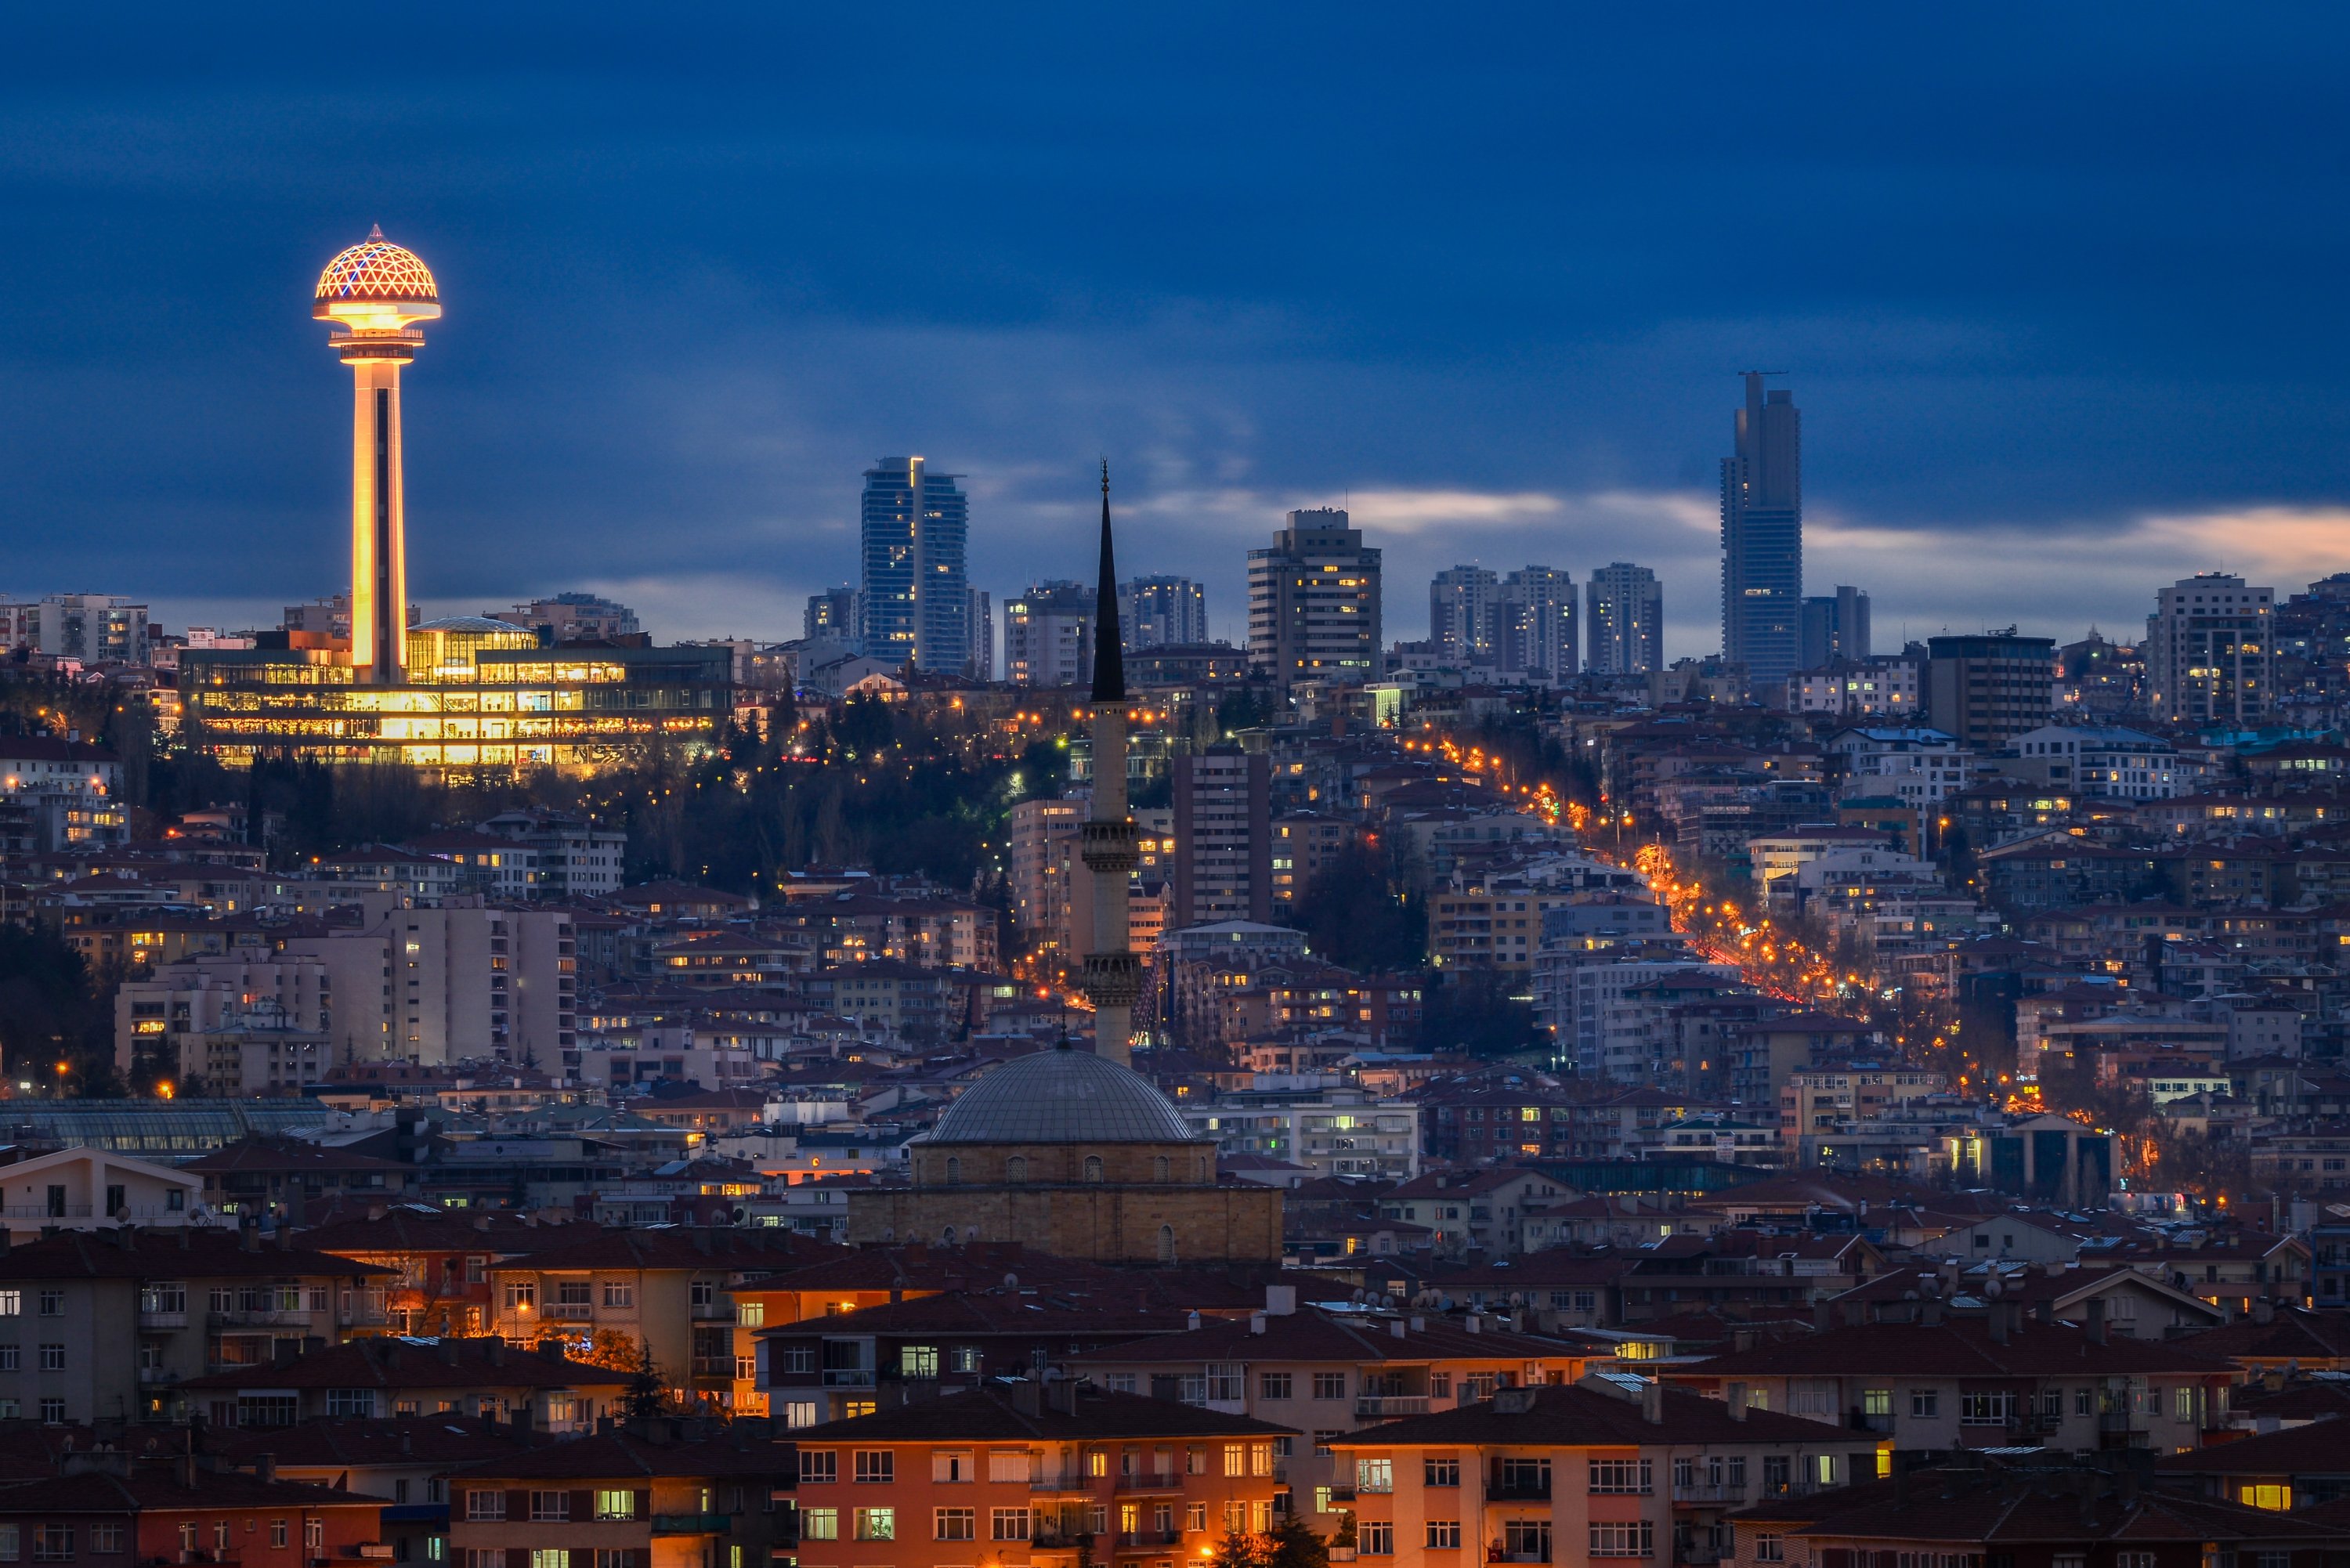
x=459, y=693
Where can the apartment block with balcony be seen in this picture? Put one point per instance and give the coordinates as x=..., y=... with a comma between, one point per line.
x=663, y=1292
x=1328, y=1376
x=104, y=1325
x=1609, y=1466
x=387, y=1375
x=1053, y=1473
x=638, y=1498
x=84, y=1189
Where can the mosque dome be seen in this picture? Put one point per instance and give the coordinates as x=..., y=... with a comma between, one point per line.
x=376, y=269
x=1062, y=1095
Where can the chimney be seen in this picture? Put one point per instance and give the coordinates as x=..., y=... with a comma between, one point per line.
x=1256, y=1323
x=1652, y=1402
x=2264, y=1311
x=1395, y=1327
x=497, y=1352
x=188, y=1470
x=1741, y=1340
x=1474, y=1323
x=1997, y=1317
x=1734, y=1396
x=284, y=1236
x=1027, y=1399
x=1280, y=1300
x=248, y=1235
x=1063, y=1395
x=264, y=1467
x=1823, y=1317
x=1191, y=1322
x=2094, y=1327
x=1929, y=1315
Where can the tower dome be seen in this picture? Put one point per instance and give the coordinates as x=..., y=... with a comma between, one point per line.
x=1061, y=1096
x=376, y=269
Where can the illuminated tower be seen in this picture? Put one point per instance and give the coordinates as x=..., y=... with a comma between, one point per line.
x=1113, y=976
x=373, y=292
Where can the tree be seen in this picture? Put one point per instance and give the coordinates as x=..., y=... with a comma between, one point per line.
x=1353, y=915
x=1291, y=1544
x=646, y=1395
x=1240, y=1548
x=1471, y=1009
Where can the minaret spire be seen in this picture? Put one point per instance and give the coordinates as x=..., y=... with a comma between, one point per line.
x=1113, y=974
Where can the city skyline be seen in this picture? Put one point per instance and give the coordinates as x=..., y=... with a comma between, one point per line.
x=1988, y=372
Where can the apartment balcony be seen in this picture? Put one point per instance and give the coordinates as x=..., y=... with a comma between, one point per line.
x=712, y=1311
x=1863, y=1422
x=1063, y=1540
x=849, y=1377
x=156, y=1377
x=163, y=1319
x=689, y=1524
x=1711, y=1491
x=1517, y=1491
x=1504, y=1554
x=569, y=1312
x=1063, y=1481
x=714, y=1366
x=1149, y=1538
x=272, y=1317
x=46, y=1212
x=1388, y=1406
x=1150, y=1481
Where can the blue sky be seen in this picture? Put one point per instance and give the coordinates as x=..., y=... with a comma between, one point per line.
x=2058, y=288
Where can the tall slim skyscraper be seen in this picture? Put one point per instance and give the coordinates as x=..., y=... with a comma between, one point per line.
x=1762, y=537
x=1460, y=614
x=1624, y=609
x=374, y=293
x=1835, y=627
x=1314, y=602
x=916, y=603
x=1162, y=612
x=982, y=635
x=1533, y=625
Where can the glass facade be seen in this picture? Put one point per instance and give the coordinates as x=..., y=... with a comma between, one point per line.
x=914, y=529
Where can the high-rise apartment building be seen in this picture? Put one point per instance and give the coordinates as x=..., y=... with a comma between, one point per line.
x=1763, y=538
x=1314, y=602
x=831, y=616
x=2210, y=651
x=1460, y=616
x=1986, y=690
x=1836, y=627
x=95, y=629
x=1533, y=625
x=1048, y=635
x=1163, y=612
x=1223, y=838
x=916, y=603
x=1624, y=609
x=1039, y=873
x=982, y=635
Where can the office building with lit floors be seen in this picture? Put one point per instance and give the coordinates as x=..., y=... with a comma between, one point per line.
x=1068, y=1153
x=464, y=695
x=1986, y=690
x=915, y=603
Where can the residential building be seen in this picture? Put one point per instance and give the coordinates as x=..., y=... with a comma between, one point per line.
x=568, y=618
x=1162, y=612
x=103, y=1326
x=1763, y=538
x=87, y=629
x=1039, y=892
x=1048, y=635
x=387, y=1375
x=831, y=616
x=1313, y=603
x=1986, y=690
x=2100, y=760
x=83, y=1189
x=1624, y=608
x=1612, y=1467
x=1533, y=625
x=1327, y=1375
x=618, y=1499
x=71, y=790
x=1886, y=688
x=2001, y=1379
x=439, y=1258
x=661, y=1292
x=983, y=636
x=573, y=857
x=1333, y=1132
x=1460, y=616
x=1919, y=767
x=109, y=1507
x=914, y=603
x=2210, y=651
x=1223, y=838
x=1836, y=627
x=1056, y=1473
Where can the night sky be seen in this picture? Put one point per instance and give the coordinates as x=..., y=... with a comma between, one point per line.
x=2060, y=291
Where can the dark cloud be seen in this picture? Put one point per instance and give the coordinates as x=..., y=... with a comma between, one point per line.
x=2032, y=270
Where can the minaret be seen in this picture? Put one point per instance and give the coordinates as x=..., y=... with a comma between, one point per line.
x=373, y=292
x=1113, y=975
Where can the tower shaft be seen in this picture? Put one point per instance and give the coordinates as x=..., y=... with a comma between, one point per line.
x=379, y=517
x=1113, y=974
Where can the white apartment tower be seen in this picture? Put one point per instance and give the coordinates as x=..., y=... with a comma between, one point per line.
x=2210, y=651
x=1624, y=609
